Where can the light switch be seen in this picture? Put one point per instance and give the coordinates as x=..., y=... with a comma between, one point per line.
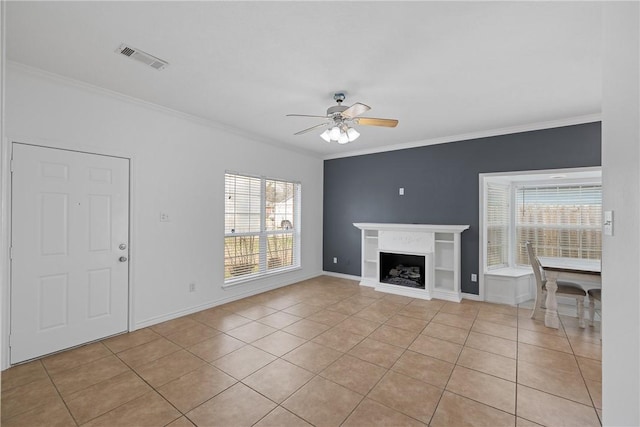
x=401, y=191
x=608, y=223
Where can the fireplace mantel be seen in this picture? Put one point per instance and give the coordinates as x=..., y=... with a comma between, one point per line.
x=433, y=228
x=438, y=243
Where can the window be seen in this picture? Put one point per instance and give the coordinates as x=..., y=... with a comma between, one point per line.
x=559, y=221
x=558, y=211
x=497, y=220
x=262, y=226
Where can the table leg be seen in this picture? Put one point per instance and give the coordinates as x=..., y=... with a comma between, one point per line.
x=551, y=319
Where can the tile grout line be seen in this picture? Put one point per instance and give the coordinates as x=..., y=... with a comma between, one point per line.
x=60, y=395
x=456, y=365
x=593, y=404
x=405, y=350
x=444, y=389
x=316, y=375
x=365, y=396
x=131, y=369
x=64, y=401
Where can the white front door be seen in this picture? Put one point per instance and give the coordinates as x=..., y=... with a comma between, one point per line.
x=69, y=249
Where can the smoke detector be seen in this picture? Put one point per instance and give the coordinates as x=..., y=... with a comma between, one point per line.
x=143, y=57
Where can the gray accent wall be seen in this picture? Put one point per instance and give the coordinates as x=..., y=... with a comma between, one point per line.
x=441, y=186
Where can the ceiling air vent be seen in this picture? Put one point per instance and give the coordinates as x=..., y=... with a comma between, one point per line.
x=143, y=57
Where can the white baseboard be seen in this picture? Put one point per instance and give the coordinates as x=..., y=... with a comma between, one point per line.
x=473, y=297
x=342, y=276
x=174, y=315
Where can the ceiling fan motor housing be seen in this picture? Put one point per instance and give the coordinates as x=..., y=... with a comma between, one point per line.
x=336, y=109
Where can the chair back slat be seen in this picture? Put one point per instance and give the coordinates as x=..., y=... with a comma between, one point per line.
x=537, y=272
x=535, y=264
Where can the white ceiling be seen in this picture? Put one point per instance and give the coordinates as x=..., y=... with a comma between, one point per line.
x=440, y=68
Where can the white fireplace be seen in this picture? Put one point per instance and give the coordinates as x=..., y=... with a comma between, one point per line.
x=438, y=245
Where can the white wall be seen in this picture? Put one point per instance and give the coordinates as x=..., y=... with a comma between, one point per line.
x=178, y=168
x=621, y=193
x=4, y=274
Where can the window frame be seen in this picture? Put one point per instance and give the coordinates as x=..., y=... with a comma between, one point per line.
x=585, y=176
x=263, y=234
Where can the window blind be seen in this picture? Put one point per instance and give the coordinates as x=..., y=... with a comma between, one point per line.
x=497, y=223
x=560, y=221
x=281, y=213
x=262, y=226
x=242, y=204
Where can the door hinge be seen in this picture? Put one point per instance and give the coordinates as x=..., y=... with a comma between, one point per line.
x=11, y=166
x=10, y=252
x=10, y=340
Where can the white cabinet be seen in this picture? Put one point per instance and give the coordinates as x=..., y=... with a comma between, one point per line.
x=509, y=285
x=438, y=244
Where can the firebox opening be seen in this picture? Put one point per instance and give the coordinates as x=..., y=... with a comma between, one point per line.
x=402, y=269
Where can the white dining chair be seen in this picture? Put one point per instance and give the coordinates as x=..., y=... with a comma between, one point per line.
x=565, y=288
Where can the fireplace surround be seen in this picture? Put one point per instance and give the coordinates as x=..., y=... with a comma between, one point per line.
x=434, y=248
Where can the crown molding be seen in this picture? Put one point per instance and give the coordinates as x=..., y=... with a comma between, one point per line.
x=578, y=120
x=58, y=78
x=68, y=81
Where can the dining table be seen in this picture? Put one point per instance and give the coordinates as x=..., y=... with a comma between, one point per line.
x=586, y=272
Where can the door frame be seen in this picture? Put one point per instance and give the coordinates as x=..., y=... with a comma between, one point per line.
x=6, y=153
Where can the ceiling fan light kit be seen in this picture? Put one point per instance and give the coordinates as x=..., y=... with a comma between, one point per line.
x=339, y=118
x=335, y=134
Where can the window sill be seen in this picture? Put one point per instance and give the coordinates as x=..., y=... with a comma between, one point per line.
x=509, y=272
x=245, y=280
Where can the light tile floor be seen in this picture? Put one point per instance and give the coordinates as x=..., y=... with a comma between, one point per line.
x=323, y=352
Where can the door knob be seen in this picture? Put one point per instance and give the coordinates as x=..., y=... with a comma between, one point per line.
x=122, y=259
x=122, y=246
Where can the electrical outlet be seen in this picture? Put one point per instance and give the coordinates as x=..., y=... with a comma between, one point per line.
x=335, y=259
x=164, y=217
x=192, y=287
x=474, y=277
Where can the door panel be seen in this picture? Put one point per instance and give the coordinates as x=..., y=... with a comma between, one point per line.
x=70, y=213
x=99, y=292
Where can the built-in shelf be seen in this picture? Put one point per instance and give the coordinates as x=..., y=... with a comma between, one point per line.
x=439, y=244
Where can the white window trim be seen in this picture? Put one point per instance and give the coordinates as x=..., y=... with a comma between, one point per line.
x=297, y=233
x=544, y=178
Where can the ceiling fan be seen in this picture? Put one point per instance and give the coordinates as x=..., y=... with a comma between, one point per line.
x=339, y=119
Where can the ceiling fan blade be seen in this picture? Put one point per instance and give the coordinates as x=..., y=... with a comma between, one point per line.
x=310, y=129
x=355, y=110
x=370, y=121
x=306, y=115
